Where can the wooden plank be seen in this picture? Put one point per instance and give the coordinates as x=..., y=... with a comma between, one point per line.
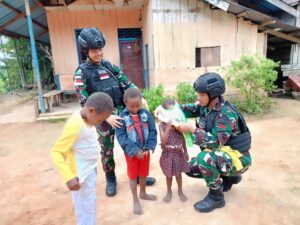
x=267, y=22
x=176, y=37
x=232, y=32
x=162, y=35
x=134, y=17
x=207, y=26
x=58, y=43
x=192, y=33
x=185, y=51
x=168, y=37
x=73, y=27
x=156, y=34
x=62, y=42
x=239, y=39
x=253, y=38
x=52, y=93
x=295, y=51
x=53, y=41
x=112, y=53
x=260, y=43
x=216, y=28
x=122, y=19
x=70, y=43
x=225, y=41
x=66, y=82
x=246, y=37
x=283, y=36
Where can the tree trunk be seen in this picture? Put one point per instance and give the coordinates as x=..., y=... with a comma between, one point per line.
x=21, y=68
x=5, y=62
x=48, y=54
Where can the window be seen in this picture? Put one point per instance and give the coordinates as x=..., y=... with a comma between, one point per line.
x=208, y=56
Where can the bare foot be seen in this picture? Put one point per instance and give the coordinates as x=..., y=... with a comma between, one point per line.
x=146, y=196
x=182, y=196
x=137, y=208
x=168, y=197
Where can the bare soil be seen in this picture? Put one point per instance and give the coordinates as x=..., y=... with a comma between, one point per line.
x=32, y=192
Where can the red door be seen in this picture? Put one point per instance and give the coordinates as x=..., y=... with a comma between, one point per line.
x=131, y=56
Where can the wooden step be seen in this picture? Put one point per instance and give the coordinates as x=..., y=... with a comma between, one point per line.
x=49, y=118
x=59, y=113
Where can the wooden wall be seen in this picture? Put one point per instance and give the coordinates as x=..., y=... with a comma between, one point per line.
x=171, y=28
x=179, y=26
x=147, y=32
x=62, y=25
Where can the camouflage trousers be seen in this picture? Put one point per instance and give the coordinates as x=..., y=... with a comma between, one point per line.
x=106, y=140
x=210, y=165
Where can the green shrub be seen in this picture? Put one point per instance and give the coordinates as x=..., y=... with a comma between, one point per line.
x=254, y=76
x=185, y=93
x=154, y=97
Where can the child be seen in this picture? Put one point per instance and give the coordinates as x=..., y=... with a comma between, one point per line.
x=174, y=157
x=137, y=137
x=76, y=154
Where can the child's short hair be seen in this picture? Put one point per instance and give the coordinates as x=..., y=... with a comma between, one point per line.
x=102, y=102
x=167, y=102
x=131, y=93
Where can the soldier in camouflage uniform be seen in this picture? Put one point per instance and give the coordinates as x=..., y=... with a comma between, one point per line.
x=223, y=137
x=99, y=75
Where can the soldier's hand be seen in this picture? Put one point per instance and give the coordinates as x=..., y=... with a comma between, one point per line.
x=114, y=121
x=73, y=184
x=186, y=127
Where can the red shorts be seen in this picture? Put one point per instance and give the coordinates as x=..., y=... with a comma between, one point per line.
x=137, y=167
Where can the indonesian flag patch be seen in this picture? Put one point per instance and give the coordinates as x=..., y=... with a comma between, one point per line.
x=103, y=75
x=78, y=82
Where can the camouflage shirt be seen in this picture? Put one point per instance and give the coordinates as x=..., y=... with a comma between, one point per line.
x=80, y=81
x=224, y=126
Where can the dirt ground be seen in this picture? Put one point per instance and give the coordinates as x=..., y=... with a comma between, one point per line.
x=32, y=192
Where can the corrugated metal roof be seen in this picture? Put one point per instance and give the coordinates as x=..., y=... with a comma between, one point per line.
x=259, y=18
x=10, y=9
x=261, y=6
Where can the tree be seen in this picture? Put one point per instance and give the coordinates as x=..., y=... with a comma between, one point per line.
x=16, y=63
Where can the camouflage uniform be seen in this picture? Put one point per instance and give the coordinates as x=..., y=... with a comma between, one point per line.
x=211, y=162
x=105, y=131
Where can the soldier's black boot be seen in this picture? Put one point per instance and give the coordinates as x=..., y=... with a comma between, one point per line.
x=213, y=200
x=229, y=181
x=111, y=184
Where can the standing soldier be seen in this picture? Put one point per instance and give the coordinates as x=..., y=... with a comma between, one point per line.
x=99, y=75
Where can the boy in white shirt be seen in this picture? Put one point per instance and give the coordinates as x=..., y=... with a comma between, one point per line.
x=77, y=152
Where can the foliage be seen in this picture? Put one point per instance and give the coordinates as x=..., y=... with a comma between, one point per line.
x=154, y=97
x=254, y=76
x=185, y=93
